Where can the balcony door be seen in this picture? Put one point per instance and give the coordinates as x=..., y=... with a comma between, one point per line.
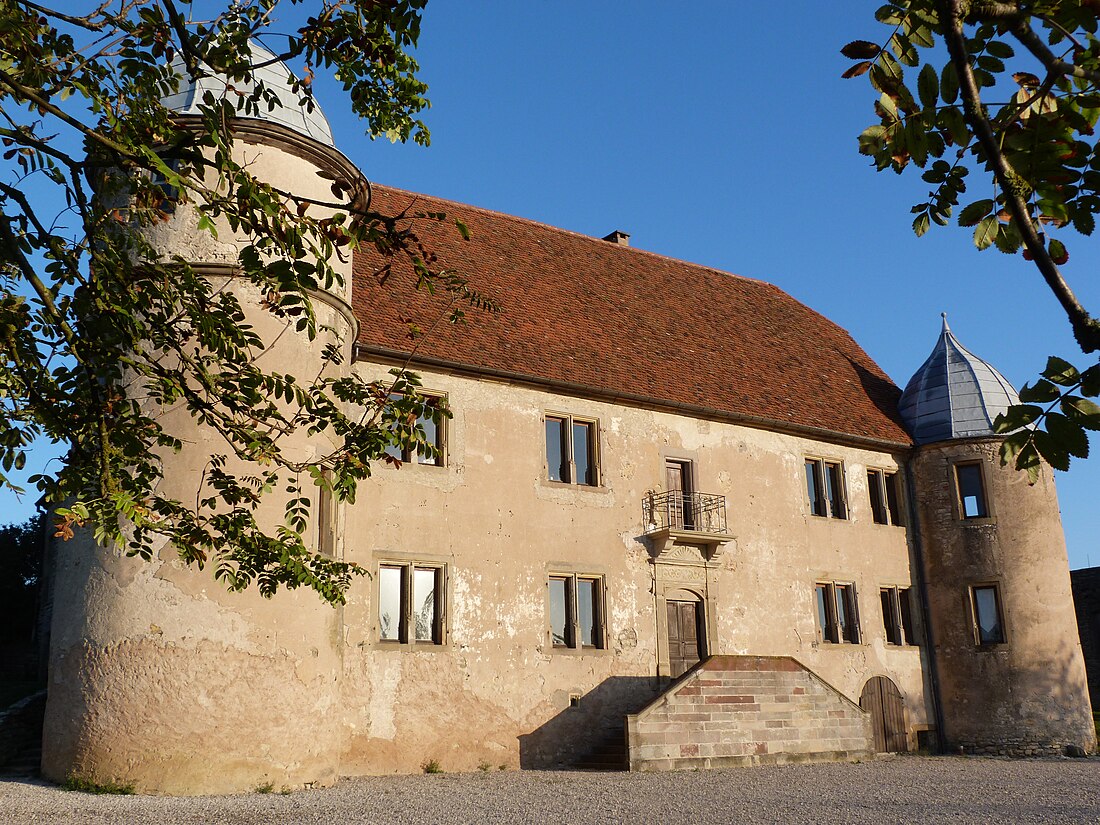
x=678, y=482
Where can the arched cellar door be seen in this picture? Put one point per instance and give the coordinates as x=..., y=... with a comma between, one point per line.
x=882, y=700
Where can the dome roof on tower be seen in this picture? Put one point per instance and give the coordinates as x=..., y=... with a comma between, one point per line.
x=275, y=76
x=955, y=394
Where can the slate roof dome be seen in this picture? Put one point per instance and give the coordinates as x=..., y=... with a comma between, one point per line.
x=290, y=114
x=955, y=394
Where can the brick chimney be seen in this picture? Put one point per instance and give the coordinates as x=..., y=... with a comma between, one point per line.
x=617, y=237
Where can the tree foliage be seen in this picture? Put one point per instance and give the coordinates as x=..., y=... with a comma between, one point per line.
x=21, y=552
x=101, y=334
x=1008, y=94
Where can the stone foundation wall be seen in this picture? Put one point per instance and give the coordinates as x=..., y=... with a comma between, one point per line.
x=747, y=710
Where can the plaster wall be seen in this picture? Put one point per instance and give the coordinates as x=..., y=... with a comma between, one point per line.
x=497, y=691
x=1029, y=695
x=158, y=676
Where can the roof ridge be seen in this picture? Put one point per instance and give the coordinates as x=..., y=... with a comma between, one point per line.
x=541, y=225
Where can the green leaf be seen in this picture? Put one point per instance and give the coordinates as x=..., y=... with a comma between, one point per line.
x=973, y=213
x=928, y=86
x=1008, y=239
x=1061, y=372
x=1052, y=450
x=1058, y=253
x=1084, y=221
x=1084, y=412
x=985, y=233
x=921, y=224
x=1016, y=417
x=1028, y=460
x=1090, y=381
x=1041, y=392
x=1068, y=434
x=949, y=83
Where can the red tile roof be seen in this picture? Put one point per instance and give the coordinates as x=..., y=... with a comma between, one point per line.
x=616, y=322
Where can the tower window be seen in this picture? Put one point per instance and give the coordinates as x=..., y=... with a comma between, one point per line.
x=985, y=602
x=971, y=487
x=897, y=615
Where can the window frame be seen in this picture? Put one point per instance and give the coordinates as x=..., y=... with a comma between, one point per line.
x=986, y=509
x=897, y=615
x=827, y=609
x=406, y=456
x=881, y=510
x=975, y=617
x=568, y=447
x=824, y=505
x=406, y=634
x=574, y=633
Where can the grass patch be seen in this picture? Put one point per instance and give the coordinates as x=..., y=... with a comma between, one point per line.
x=77, y=783
x=484, y=767
x=267, y=787
x=432, y=766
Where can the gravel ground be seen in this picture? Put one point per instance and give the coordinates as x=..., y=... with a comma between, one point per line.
x=888, y=790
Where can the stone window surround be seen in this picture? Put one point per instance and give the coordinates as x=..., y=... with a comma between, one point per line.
x=410, y=561
x=972, y=612
x=821, y=463
x=888, y=476
x=898, y=592
x=595, y=450
x=442, y=458
x=958, y=511
x=573, y=573
x=824, y=634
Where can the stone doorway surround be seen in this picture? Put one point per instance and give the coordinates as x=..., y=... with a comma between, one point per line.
x=685, y=573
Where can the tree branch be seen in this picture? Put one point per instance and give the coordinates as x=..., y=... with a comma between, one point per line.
x=1086, y=329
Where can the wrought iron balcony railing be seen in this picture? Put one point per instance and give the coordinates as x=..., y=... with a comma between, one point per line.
x=677, y=510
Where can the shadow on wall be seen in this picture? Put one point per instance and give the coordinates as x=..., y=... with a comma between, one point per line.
x=1013, y=707
x=586, y=722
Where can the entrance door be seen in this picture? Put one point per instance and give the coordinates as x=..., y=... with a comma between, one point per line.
x=678, y=483
x=882, y=700
x=684, y=648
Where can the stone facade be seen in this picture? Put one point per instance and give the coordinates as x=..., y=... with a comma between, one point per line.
x=1023, y=692
x=1086, y=602
x=513, y=616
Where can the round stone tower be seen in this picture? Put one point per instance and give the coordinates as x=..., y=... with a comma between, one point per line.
x=1007, y=654
x=158, y=677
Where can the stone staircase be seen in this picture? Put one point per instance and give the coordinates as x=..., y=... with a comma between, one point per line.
x=609, y=754
x=747, y=710
x=21, y=736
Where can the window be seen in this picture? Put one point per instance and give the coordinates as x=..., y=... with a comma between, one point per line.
x=837, y=613
x=572, y=450
x=897, y=615
x=432, y=423
x=410, y=603
x=576, y=611
x=971, y=491
x=825, y=487
x=985, y=601
x=882, y=487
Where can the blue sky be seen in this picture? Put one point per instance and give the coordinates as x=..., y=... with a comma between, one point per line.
x=721, y=133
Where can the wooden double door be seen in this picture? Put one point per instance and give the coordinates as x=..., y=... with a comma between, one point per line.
x=882, y=701
x=686, y=639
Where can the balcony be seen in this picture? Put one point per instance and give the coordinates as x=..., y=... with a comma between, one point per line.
x=676, y=517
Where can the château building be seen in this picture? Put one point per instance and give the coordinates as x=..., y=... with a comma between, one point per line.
x=677, y=519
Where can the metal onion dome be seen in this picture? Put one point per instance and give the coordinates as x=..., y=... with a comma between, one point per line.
x=955, y=394
x=275, y=77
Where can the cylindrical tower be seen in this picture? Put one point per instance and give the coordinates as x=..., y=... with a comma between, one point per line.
x=1008, y=658
x=159, y=678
